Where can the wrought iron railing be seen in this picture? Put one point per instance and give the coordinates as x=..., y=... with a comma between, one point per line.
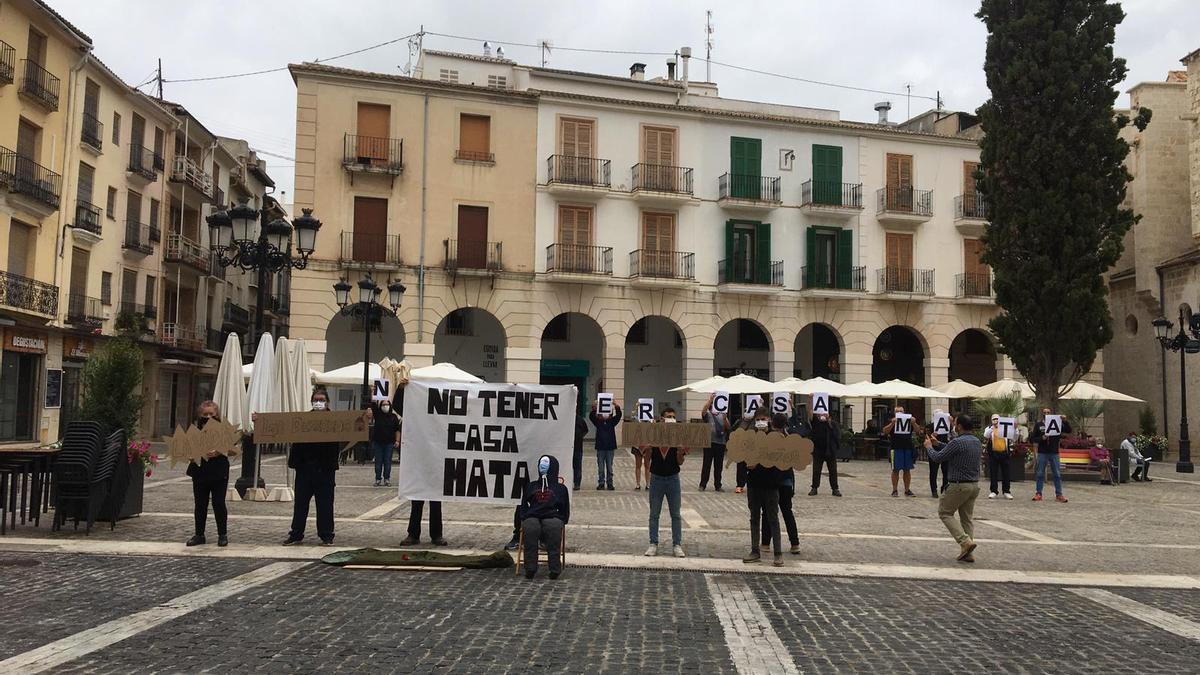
x=188, y=337
x=28, y=294
x=137, y=237
x=578, y=170
x=184, y=251
x=83, y=310
x=215, y=269
x=577, y=259
x=368, y=247
x=828, y=193
x=751, y=188
x=474, y=156
x=218, y=197
x=472, y=254
x=373, y=153
x=905, y=200
x=973, y=285
x=653, y=263
x=24, y=176
x=744, y=272
x=92, y=133
x=87, y=217
x=235, y=315
x=39, y=84
x=133, y=308
x=185, y=171
x=905, y=280
x=972, y=205
x=8, y=56
x=828, y=277
x=141, y=161
x=662, y=178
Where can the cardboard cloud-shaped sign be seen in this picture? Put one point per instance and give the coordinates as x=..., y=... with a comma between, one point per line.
x=195, y=443
x=758, y=448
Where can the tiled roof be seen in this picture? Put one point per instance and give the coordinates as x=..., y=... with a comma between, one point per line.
x=472, y=57
x=1176, y=76
x=319, y=68
x=61, y=19
x=1189, y=57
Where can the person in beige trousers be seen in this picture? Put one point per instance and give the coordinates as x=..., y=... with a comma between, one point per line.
x=961, y=456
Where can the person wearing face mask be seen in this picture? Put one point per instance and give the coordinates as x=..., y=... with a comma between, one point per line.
x=385, y=437
x=664, y=483
x=545, y=509
x=762, y=496
x=316, y=466
x=210, y=479
x=825, y=437
x=787, y=490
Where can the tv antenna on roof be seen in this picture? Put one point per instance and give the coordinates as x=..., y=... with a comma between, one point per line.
x=545, y=46
x=708, y=45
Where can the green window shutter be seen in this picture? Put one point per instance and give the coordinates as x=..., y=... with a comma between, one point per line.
x=762, y=236
x=810, y=256
x=827, y=174
x=728, y=250
x=745, y=167
x=845, y=257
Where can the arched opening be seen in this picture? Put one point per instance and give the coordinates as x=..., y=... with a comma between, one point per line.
x=654, y=363
x=973, y=357
x=573, y=353
x=344, y=346
x=818, y=353
x=898, y=354
x=474, y=340
x=742, y=346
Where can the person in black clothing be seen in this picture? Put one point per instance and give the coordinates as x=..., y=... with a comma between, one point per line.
x=606, y=444
x=787, y=490
x=210, y=480
x=416, y=507
x=762, y=496
x=797, y=425
x=544, y=511
x=934, y=467
x=825, y=436
x=714, y=454
x=316, y=466
x=385, y=438
x=581, y=429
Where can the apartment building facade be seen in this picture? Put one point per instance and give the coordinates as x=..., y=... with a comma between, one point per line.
x=662, y=233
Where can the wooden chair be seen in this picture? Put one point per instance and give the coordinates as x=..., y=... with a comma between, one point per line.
x=542, y=555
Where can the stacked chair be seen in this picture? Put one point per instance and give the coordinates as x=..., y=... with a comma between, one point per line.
x=85, y=473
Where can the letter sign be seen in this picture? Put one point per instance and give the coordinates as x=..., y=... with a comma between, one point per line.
x=720, y=403
x=1008, y=427
x=604, y=405
x=781, y=403
x=941, y=423
x=820, y=403
x=1053, y=425
x=645, y=410
x=753, y=404
x=382, y=391
x=903, y=424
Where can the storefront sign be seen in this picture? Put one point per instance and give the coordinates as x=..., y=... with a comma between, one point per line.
x=77, y=348
x=23, y=341
x=53, y=388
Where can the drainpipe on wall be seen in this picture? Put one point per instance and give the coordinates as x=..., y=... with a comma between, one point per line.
x=1162, y=357
x=68, y=155
x=421, y=262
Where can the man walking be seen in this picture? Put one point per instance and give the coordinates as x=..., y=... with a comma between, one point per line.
x=714, y=454
x=961, y=456
x=606, y=445
x=316, y=466
x=825, y=437
x=1047, y=456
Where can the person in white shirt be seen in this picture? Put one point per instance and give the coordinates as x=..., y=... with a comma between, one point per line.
x=1136, y=459
x=997, y=455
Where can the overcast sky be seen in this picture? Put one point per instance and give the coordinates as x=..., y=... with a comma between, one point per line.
x=931, y=45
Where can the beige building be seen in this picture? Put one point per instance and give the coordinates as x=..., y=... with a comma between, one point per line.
x=1158, y=275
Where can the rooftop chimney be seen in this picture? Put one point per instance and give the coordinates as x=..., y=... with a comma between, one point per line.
x=882, y=108
x=671, y=69
x=686, y=54
x=487, y=49
x=637, y=71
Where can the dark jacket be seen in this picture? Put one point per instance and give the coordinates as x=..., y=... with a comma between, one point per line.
x=1048, y=445
x=825, y=436
x=315, y=456
x=545, y=497
x=384, y=425
x=797, y=426
x=209, y=470
x=581, y=429
x=606, y=430
x=765, y=476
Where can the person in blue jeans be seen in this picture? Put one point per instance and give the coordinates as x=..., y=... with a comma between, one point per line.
x=385, y=437
x=664, y=482
x=606, y=445
x=1047, y=456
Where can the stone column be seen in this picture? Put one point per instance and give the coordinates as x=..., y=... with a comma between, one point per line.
x=696, y=366
x=613, y=371
x=418, y=354
x=523, y=364
x=937, y=372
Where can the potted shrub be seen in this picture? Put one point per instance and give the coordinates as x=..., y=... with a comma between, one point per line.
x=112, y=383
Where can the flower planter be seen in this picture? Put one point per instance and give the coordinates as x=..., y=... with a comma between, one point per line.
x=127, y=493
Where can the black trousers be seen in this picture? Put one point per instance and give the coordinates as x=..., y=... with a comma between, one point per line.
x=714, y=460
x=577, y=465
x=829, y=459
x=933, y=473
x=764, y=504
x=435, y=520
x=786, y=492
x=743, y=474
x=998, y=470
x=203, y=491
x=319, y=483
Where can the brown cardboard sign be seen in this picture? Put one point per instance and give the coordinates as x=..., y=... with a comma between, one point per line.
x=311, y=427
x=758, y=448
x=666, y=435
x=194, y=443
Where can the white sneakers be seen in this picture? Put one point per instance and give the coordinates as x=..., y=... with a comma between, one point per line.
x=679, y=552
x=653, y=550
x=1008, y=495
x=991, y=495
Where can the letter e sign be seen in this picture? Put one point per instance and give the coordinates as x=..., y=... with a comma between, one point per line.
x=604, y=405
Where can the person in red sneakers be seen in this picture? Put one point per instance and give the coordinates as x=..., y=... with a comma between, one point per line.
x=1047, y=456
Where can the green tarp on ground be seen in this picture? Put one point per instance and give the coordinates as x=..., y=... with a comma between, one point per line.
x=374, y=556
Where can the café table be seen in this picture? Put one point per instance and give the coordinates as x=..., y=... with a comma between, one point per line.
x=25, y=476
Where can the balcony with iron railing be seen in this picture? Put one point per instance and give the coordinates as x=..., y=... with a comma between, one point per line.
x=87, y=218
x=39, y=85
x=577, y=259
x=8, y=60
x=972, y=205
x=973, y=285
x=743, y=191
x=218, y=199
x=187, y=172
x=373, y=154
x=476, y=156
x=28, y=295
x=901, y=205
x=831, y=199
x=84, y=311
x=142, y=162
x=137, y=238
x=468, y=254
x=661, y=181
x=570, y=172
x=179, y=336
x=832, y=278
x=905, y=280
x=22, y=176
x=184, y=251
x=147, y=311
x=215, y=269
x=368, y=249
x=279, y=303
x=134, y=318
x=91, y=135
x=741, y=272
x=654, y=265
x=234, y=316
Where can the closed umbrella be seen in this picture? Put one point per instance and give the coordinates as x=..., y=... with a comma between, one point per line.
x=1087, y=390
x=957, y=389
x=443, y=371
x=229, y=393
x=263, y=397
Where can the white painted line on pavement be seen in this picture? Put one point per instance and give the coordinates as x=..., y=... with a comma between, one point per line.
x=1152, y=615
x=693, y=518
x=57, y=653
x=753, y=644
x=380, y=511
x=1030, y=534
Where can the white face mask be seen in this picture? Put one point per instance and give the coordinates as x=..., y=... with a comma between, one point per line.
x=385, y=408
x=318, y=405
x=760, y=424
x=669, y=419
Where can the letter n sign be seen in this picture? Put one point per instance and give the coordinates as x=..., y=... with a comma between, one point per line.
x=382, y=391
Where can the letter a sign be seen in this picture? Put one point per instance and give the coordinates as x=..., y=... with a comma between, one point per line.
x=820, y=403
x=753, y=404
x=382, y=391
x=645, y=410
x=1053, y=425
x=941, y=424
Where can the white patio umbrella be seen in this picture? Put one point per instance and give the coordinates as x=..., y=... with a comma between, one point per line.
x=1004, y=387
x=1087, y=390
x=817, y=385
x=956, y=389
x=741, y=384
x=443, y=371
x=707, y=386
x=263, y=397
x=229, y=393
x=348, y=375
x=894, y=389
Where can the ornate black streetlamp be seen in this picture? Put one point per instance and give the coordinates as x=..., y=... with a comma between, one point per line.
x=1184, y=345
x=370, y=311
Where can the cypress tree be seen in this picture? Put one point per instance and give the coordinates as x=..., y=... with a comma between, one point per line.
x=1052, y=172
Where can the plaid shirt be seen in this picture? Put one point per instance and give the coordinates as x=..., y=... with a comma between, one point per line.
x=961, y=456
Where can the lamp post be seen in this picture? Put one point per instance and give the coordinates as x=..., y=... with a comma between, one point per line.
x=1184, y=345
x=368, y=309
x=266, y=250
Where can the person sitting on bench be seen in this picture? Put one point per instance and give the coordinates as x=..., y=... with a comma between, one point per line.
x=545, y=510
x=1141, y=464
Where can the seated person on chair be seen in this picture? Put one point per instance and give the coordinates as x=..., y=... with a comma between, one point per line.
x=1099, y=457
x=1139, y=462
x=544, y=511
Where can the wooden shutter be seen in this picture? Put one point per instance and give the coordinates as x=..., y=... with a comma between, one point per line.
x=79, y=273
x=969, y=193
x=576, y=137
x=827, y=174
x=374, y=123
x=150, y=300
x=574, y=238
x=762, y=246
x=129, y=287
x=160, y=147
x=845, y=258
x=745, y=167
x=658, y=244
x=472, y=236
x=27, y=137
x=36, y=51
x=899, y=261
x=810, y=257
x=658, y=154
x=978, y=276
x=899, y=182
x=474, y=137
x=87, y=176
x=91, y=99
x=133, y=208
x=137, y=131
x=370, y=229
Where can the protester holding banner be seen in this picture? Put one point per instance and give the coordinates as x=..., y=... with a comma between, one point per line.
x=316, y=466
x=1047, y=434
x=998, y=454
x=961, y=456
x=606, y=443
x=714, y=454
x=210, y=480
x=899, y=431
x=416, y=507
x=787, y=490
x=385, y=438
x=826, y=438
x=544, y=511
x=664, y=482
